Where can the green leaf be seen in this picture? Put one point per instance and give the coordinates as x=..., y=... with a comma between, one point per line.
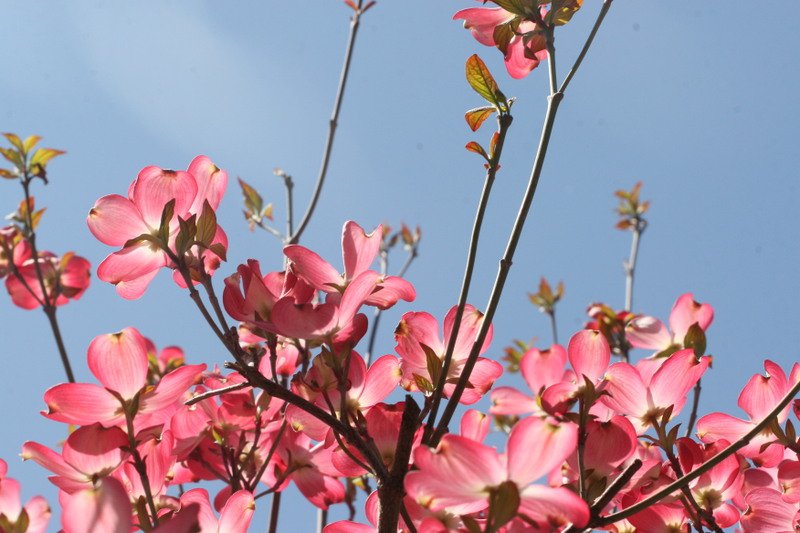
x=219, y=250
x=433, y=362
x=695, y=339
x=423, y=383
x=518, y=7
x=561, y=11
x=471, y=524
x=503, y=34
x=166, y=218
x=186, y=235
x=472, y=146
x=30, y=142
x=482, y=81
x=144, y=237
x=503, y=505
x=476, y=117
x=14, y=140
x=252, y=200
x=42, y=156
x=206, y=224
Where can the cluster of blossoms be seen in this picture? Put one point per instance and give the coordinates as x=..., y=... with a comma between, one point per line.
x=592, y=444
x=301, y=406
x=35, y=280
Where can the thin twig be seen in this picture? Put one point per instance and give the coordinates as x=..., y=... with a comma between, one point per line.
x=141, y=468
x=702, y=469
x=695, y=405
x=215, y=392
x=275, y=507
x=502, y=273
x=587, y=45
x=326, y=157
x=553, y=328
x=630, y=265
x=504, y=121
x=48, y=304
x=322, y=519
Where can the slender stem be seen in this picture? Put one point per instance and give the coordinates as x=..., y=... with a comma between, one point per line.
x=289, y=184
x=48, y=304
x=695, y=405
x=505, y=264
x=326, y=157
x=322, y=519
x=504, y=121
x=554, y=329
x=215, y=392
x=551, y=58
x=587, y=45
x=275, y=508
x=616, y=486
x=391, y=489
x=62, y=350
x=212, y=298
x=376, y=316
x=702, y=469
x=141, y=468
x=582, y=420
x=630, y=265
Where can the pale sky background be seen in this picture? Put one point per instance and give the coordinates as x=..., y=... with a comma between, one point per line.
x=699, y=102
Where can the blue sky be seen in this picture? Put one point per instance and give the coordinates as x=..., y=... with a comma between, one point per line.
x=698, y=102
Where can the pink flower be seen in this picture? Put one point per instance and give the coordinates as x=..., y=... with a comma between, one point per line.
x=525, y=46
x=461, y=473
x=422, y=351
x=115, y=220
x=65, y=278
x=757, y=399
x=235, y=516
x=35, y=513
x=650, y=333
x=645, y=399
x=119, y=361
x=359, y=250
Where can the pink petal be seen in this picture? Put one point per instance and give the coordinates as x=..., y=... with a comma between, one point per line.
x=95, y=450
x=47, y=458
x=211, y=183
x=762, y=393
x=312, y=268
x=510, y=401
x=155, y=187
x=38, y=514
x=10, y=504
x=517, y=65
x=686, y=312
x=346, y=526
x=359, y=248
x=114, y=220
x=354, y=295
x=475, y=425
x=134, y=288
x=119, y=361
x=482, y=22
x=676, y=377
x=303, y=321
x=82, y=404
x=549, y=505
x=627, y=393
x=471, y=323
x=538, y=445
x=389, y=291
x=104, y=509
x=484, y=374
x=320, y=490
x=171, y=388
x=589, y=354
x=542, y=368
x=649, y=333
x=768, y=512
x=130, y=264
x=205, y=515
x=381, y=379
x=414, y=330
x=235, y=517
